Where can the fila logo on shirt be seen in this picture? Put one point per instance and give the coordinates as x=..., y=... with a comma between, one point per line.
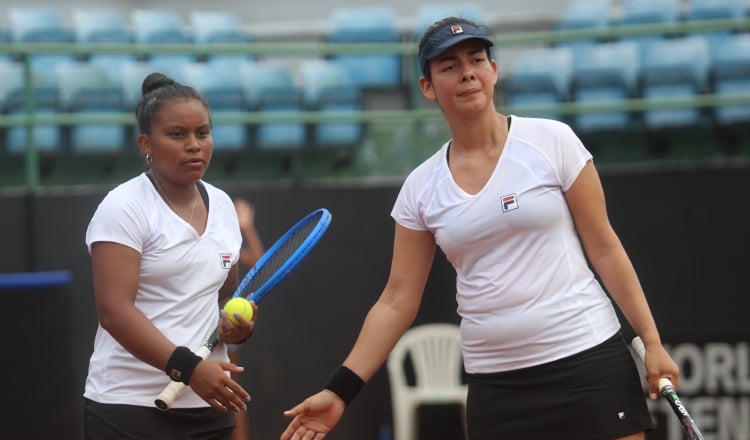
x=509, y=202
x=226, y=261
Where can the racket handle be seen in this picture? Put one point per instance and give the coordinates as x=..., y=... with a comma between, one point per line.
x=166, y=398
x=640, y=350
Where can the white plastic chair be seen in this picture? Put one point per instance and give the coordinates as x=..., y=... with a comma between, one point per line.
x=435, y=354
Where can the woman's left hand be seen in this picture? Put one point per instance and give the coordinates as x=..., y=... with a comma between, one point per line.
x=231, y=333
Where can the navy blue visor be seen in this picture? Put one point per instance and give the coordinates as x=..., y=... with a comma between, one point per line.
x=447, y=37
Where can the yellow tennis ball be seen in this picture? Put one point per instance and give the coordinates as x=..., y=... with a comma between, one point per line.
x=240, y=306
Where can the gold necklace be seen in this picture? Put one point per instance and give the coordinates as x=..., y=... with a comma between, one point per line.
x=172, y=205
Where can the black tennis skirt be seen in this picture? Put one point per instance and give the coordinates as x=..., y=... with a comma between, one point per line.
x=594, y=395
x=129, y=422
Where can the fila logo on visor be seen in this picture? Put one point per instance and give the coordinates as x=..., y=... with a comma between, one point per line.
x=509, y=202
x=457, y=29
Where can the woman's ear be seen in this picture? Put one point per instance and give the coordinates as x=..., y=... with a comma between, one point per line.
x=144, y=144
x=427, y=89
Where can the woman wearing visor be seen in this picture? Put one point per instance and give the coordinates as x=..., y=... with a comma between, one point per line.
x=517, y=207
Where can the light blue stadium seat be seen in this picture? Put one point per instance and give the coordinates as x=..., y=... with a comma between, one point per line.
x=100, y=25
x=47, y=138
x=645, y=12
x=674, y=68
x=104, y=25
x=367, y=24
x=606, y=72
x=539, y=77
x=427, y=14
x=328, y=87
x=223, y=91
x=165, y=26
x=41, y=24
x=87, y=89
x=583, y=15
x=214, y=26
x=715, y=10
x=730, y=76
x=270, y=87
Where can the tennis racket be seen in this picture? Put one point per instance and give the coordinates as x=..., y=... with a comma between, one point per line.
x=275, y=264
x=667, y=390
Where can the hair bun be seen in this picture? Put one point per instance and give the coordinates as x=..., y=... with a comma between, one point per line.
x=156, y=80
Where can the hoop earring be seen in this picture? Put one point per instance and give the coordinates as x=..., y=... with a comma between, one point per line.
x=148, y=159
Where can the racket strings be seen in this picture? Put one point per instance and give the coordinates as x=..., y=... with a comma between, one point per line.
x=282, y=254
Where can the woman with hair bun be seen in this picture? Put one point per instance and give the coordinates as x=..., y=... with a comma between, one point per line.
x=164, y=247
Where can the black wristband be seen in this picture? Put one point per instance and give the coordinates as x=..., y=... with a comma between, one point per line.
x=181, y=364
x=346, y=384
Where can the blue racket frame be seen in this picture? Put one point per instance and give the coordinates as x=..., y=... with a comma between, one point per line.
x=323, y=218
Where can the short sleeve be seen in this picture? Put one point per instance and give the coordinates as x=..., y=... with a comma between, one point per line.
x=572, y=157
x=117, y=219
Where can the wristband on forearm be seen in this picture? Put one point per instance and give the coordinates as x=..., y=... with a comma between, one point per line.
x=181, y=364
x=345, y=383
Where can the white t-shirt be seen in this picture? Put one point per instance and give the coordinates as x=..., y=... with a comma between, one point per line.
x=180, y=276
x=525, y=293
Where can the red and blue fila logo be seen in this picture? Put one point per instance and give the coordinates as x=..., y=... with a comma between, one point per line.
x=509, y=202
x=226, y=261
x=457, y=29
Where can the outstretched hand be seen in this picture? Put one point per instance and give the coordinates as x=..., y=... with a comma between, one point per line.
x=315, y=417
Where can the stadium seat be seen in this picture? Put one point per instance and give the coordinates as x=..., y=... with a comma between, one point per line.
x=674, y=68
x=644, y=12
x=47, y=138
x=539, y=77
x=730, y=76
x=606, y=72
x=223, y=91
x=583, y=15
x=87, y=89
x=162, y=26
x=270, y=87
x=715, y=10
x=41, y=24
x=367, y=24
x=427, y=14
x=210, y=27
x=100, y=25
x=103, y=26
x=328, y=87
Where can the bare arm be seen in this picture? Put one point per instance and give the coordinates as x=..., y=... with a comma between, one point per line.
x=116, y=276
x=386, y=322
x=608, y=257
x=395, y=310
